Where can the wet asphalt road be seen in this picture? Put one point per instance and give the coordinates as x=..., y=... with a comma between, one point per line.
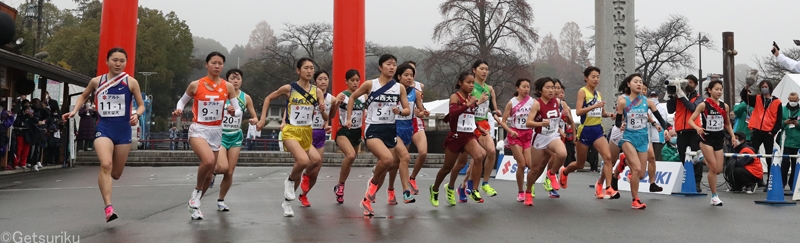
x=151, y=203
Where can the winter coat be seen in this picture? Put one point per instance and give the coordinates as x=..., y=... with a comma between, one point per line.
x=86, y=129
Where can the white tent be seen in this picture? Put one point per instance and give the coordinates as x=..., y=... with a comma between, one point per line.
x=789, y=83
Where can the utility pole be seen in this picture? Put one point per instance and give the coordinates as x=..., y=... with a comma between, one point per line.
x=146, y=75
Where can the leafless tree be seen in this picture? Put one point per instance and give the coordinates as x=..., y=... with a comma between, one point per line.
x=482, y=29
x=549, y=49
x=571, y=42
x=667, y=48
x=314, y=40
x=260, y=38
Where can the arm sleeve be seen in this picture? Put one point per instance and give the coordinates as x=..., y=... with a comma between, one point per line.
x=778, y=120
x=660, y=119
x=237, y=110
x=456, y=110
x=789, y=64
x=671, y=104
x=183, y=101
x=618, y=121
x=749, y=99
x=689, y=105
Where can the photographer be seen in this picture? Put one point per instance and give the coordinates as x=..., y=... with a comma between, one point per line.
x=743, y=172
x=683, y=103
x=766, y=117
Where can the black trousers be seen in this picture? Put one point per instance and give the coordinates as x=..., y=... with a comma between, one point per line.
x=761, y=137
x=742, y=178
x=788, y=165
x=690, y=139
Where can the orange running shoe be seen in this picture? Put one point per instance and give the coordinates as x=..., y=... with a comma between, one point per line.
x=637, y=204
x=611, y=194
x=553, y=179
x=304, y=200
x=414, y=189
x=528, y=199
x=598, y=190
x=392, y=200
x=367, y=207
x=563, y=177
x=304, y=184
x=372, y=188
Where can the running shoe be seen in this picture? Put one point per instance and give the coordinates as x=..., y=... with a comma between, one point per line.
x=434, y=197
x=367, y=207
x=488, y=189
x=548, y=185
x=564, y=177
x=528, y=198
x=304, y=200
x=716, y=201
x=554, y=194
x=110, y=214
x=222, y=207
x=638, y=204
x=213, y=178
x=372, y=188
x=287, y=209
x=611, y=194
x=520, y=197
x=553, y=178
x=475, y=195
x=598, y=191
x=407, y=198
x=194, y=201
x=305, y=184
x=414, y=189
x=462, y=194
x=655, y=188
x=338, y=189
x=196, y=213
x=288, y=190
x=391, y=199
x=451, y=195
x=751, y=189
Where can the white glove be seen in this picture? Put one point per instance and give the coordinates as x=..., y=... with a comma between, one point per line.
x=698, y=158
x=500, y=145
x=680, y=93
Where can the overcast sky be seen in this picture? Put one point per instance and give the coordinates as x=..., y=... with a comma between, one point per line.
x=410, y=22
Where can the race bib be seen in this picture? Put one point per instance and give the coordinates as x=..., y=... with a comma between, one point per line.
x=300, y=115
x=466, y=123
x=637, y=121
x=383, y=113
x=715, y=123
x=111, y=105
x=482, y=110
x=596, y=112
x=231, y=122
x=552, y=128
x=520, y=121
x=319, y=123
x=355, y=119
x=210, y=110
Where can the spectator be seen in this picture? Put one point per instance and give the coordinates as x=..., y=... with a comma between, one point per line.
x=37, y=129
x=6, y=121
x=790, y=126
x=185, y=137
x=742, y=113
x=656, y=137
x=767, y=111
x=21, y=135
x=743, y=172
x=670, y=152
x=252, y=134
x=174, y=135
x=86, y=129
x=51, y=104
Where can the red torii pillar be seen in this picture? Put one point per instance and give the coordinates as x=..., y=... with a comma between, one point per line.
x=348, y=45
x=118, y=29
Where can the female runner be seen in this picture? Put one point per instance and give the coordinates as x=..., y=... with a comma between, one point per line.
x=113, y=93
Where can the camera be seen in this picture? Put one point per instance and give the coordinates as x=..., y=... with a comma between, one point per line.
x=673, y=85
